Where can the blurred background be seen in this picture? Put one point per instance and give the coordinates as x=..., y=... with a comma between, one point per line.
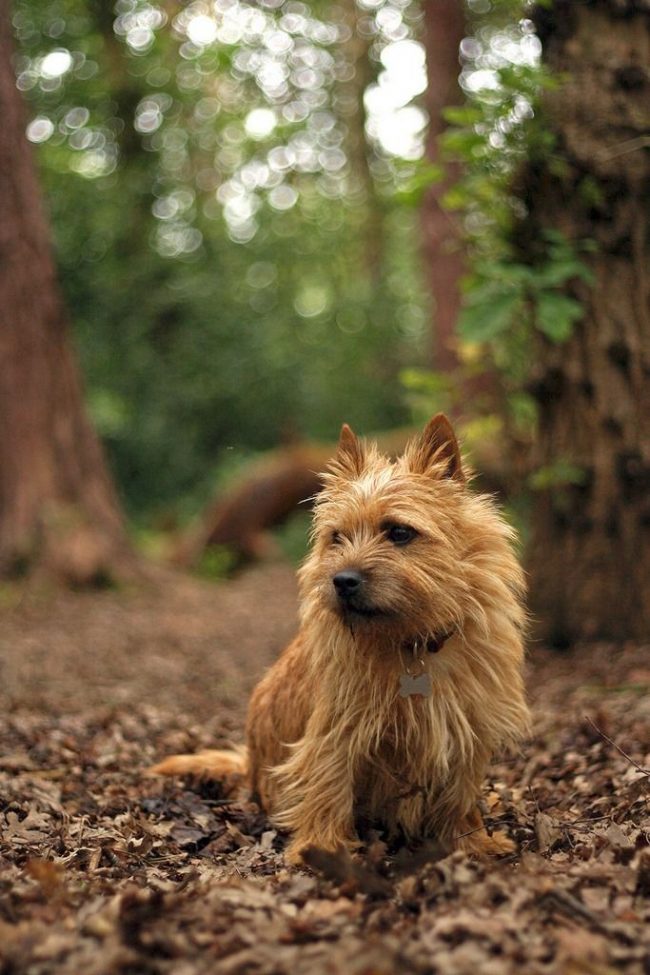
x=246, y=222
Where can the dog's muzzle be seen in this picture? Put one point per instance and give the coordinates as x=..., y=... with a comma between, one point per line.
x=351, y=593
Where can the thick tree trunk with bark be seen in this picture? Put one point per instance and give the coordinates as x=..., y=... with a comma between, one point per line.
x=590, y=552
x=444, y=29
x=57, y=503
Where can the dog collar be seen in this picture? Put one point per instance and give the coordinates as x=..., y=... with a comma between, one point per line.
x=433, y=643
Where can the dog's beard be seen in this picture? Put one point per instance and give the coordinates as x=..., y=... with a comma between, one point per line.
x=350, y=613
x=363, y=607
x=396, y=625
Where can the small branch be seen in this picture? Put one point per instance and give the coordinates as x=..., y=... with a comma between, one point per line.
x=502, y=822
x=570, y=906
x=533, y=796
x=578, y=823
x=644, y=771
x=622, y=148
x=469, y=832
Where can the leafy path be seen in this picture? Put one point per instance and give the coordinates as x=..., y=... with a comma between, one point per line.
x=103, y=870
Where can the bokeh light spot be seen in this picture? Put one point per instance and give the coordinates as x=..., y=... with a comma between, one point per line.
x=56, y=63
x=40, y=129
x=260, y=123
x=201, y=30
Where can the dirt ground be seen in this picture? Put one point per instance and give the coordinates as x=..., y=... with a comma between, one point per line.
x=106, y=870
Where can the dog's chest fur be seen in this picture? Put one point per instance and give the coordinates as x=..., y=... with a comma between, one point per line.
x=415, y=755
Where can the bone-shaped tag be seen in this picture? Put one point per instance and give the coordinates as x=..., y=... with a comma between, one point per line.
x=410, y=686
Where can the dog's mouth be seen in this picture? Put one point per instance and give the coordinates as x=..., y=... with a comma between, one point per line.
x=351, y=611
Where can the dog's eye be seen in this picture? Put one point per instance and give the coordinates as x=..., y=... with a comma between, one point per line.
x=400, y=534
x=336, y=538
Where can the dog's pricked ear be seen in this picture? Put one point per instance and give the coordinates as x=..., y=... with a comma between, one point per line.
x=350, y=456
x=437, y=444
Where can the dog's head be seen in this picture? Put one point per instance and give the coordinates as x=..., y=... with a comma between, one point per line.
x=393, y=539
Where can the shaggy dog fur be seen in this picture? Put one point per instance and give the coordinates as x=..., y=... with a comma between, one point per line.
x=410, y=576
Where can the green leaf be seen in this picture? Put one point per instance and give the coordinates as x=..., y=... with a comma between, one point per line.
x=485, y=320
x=555, y=315
x=462, y=115
x=425, y=381
x=411, y=193
x=559, y=272
x=523, y=410
x=561, y=473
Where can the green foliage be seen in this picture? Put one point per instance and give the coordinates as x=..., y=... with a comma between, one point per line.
x=217, y=562
x=504, y=296
x=561, y=473
x=511, y=306
x=427, y=392
x=508, y=303
x=293, y=537
x=491, y=134
x=234, y=275
x=240, y=252
x=555, y=315
x=420, y=177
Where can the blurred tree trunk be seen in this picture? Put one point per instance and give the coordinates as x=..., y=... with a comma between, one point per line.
x=57, y=503
x=590, y=553
x=125, y=89
x=444, y=29
x=351, y=105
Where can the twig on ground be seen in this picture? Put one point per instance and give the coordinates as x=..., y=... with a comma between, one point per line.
x=502, y=822
x=644, y=771
x=533, y=796
x=587, y=820
x=570, y=906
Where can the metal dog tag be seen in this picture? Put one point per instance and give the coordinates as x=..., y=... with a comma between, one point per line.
x=410, y=686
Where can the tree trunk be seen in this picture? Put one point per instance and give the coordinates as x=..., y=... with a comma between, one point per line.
x=444, y=29
x=590, y=552
x=350, y=95
x=57, y=503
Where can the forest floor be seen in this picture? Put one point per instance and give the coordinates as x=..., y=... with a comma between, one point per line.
x=106, y=870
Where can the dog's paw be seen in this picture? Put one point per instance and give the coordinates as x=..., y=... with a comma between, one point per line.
x=228, y=766
x=309, y=852
x=173, y=765
x=293, y=854
x=481, y=844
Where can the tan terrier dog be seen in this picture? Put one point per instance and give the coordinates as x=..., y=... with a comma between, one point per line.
x=406, y=675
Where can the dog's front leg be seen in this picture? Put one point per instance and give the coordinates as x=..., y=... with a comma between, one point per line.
x=316, y=795
x=473, y=837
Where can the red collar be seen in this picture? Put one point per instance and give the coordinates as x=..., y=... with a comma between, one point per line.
x=433, y=643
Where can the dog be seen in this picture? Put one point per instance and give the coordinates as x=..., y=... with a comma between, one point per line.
x=406, y=675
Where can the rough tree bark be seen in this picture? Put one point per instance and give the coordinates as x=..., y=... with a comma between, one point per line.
x=57, y=503
x=444, y=29
x=590, y=552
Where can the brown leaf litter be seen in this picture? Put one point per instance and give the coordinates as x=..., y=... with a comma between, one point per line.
x=106, y=871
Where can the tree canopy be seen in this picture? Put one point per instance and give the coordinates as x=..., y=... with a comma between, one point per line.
x=223, y=198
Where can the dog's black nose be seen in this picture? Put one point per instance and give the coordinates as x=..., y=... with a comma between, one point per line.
x=347, y=583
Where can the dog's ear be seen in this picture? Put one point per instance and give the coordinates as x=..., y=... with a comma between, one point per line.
x=437, y=447
x=350, y=458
